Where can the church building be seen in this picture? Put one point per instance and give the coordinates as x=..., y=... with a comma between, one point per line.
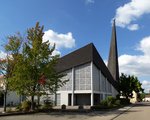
x=89, y=79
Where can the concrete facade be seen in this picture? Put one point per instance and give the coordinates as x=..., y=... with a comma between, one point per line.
x=13, y=98
x=86, y=86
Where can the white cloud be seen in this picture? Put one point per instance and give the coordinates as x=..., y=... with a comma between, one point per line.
x=146, y=83
x=89, y=1
x=137, y=64
x=130, y=12
x=145, y=45
x=146, y=86
x=2, y=55
x=133, y=27
x=56, y=52
x=60, y=40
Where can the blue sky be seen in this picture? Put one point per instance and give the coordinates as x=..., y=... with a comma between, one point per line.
x=72, y=24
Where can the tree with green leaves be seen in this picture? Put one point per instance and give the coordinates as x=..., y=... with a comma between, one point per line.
x=34, y=65
x=5, y=72
x=128, y=84
x=141, y=96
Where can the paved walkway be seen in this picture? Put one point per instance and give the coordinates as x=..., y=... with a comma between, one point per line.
x=97, y=115
x=111, y=115
x=2, y=109
x=140, y=111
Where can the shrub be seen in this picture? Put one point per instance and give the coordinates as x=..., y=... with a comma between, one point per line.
x=18, y=107
x=8, y=110
x=103, y=103
x=124, y=101
x=117, y=103
x=47, y=104
x=109, y=101
x=45, y=107
x=63, y=107
x=26, y=105
x=80, y=107
x=99, y=107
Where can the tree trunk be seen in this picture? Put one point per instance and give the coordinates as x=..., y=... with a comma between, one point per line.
x=32, y=103
x=126, y=97
x=32, y=100
x=38, y=100
x=5, y=96
x=38, y=96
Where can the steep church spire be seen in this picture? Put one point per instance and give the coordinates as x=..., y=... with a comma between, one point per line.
x=113, y=55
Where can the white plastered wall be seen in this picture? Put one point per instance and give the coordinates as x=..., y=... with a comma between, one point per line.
x=114, y=91
x=12, y=98
x=64, y=98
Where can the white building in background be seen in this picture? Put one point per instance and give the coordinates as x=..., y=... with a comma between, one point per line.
x=12, y=97
x=134, y=98
x=147, y=98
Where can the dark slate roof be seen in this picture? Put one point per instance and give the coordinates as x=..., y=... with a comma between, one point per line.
x=84, y=55
x=76, y=58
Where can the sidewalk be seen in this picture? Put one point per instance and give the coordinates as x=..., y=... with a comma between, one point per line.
x=111, y=115
x=2, y=109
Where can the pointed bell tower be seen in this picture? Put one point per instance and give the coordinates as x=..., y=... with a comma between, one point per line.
x=113, y=65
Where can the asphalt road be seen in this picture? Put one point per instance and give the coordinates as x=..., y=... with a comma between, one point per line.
x=97, y=115
x=141, y=111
